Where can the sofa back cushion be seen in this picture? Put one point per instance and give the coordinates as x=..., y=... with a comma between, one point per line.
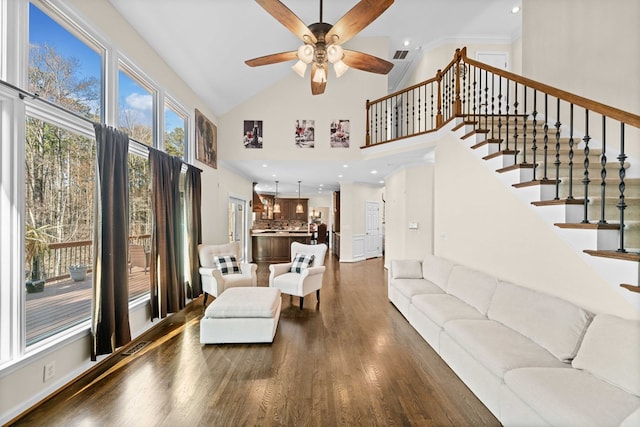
x=551, y=322
x=406, y=269
x=610, y=351
x=472, y=286
x=437, y=270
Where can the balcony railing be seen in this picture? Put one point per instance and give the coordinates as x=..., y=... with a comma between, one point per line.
x=528, y=120
x=62, y=255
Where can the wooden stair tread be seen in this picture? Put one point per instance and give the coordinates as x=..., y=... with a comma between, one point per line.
x=463, y=123
x=558, y=202
x=627, y=256
x=632, y=288
x=474, y=132
x=500, y=153
x=587, y=225
x=535, y=182
x=516, y=167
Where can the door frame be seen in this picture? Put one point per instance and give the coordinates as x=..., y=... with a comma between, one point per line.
x=244, y=244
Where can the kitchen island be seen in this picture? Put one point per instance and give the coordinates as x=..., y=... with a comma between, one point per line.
x=275, y=245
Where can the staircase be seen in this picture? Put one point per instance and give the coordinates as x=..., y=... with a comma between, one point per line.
x=563, y=154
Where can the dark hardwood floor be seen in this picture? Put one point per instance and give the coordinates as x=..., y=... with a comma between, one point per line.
x=352, y=360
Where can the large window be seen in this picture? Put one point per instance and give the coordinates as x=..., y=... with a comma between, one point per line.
x=63, y=68
x=175, y=124
x=135, y=107
x=59, y=182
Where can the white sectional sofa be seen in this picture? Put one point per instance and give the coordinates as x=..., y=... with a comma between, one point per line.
x=533, y=359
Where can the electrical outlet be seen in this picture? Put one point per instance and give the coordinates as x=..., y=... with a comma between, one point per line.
x=49, y=371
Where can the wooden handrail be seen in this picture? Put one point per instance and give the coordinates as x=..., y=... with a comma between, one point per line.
x=591, y=105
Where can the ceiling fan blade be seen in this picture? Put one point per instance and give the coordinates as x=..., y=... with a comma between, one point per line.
x=360, y=15
x=272, y=59
x=289, y=19
x=317, y=88
x=366, y=62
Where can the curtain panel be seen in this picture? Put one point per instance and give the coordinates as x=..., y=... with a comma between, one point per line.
x=110, y=304
x=167, y=235
x=193, y=191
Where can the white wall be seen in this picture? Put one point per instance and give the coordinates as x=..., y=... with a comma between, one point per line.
x=480, y=222
x=353, y=198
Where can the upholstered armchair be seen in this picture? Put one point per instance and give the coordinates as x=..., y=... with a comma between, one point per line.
x=219, y=271
x=306, y=277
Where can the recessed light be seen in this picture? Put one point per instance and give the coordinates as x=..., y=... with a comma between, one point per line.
x=264, y=165
x=345, y=166
x=515, y=9
x=381, y=181
x=374, y=172
x=406, y=43
x=340, y=176
x=321, y=185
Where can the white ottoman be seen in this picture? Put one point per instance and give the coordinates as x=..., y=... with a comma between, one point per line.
x=242, y=315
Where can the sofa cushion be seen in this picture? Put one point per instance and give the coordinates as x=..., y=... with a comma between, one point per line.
x=611, y=351
x=406, y=269
x=551, y=322
x=436, y=270
x=441, y=308
x=497, y=347
x=411, y=287
x=570, y=397
x=245, y=303
x=471, y=286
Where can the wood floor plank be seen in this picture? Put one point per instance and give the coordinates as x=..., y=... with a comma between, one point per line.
x=351, y=360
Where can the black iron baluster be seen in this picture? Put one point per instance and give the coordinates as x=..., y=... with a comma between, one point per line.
x=570, y=197
x=586, y=181
x=515, y=125
x=420, y=106
x=406, y=114
x=524, y=128
x=603, y=170
x=500, y=114
x=493, y=106
x=486, y=99
x=507, y=117
x=621, y=186
x=534, y=133
x=432, y=109
x=396, y=119
x=557, y=162
x=545, y=138
x=475, y=92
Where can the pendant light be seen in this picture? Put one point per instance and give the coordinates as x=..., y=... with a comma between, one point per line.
x=276, y=205
x=299, y=207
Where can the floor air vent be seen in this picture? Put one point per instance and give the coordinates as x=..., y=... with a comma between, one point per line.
x=136, y=348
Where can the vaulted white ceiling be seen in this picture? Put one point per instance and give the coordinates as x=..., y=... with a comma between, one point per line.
x=207, y=41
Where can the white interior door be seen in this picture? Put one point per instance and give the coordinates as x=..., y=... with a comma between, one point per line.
x=490, y=89
x=372, y=224
x=238, y=224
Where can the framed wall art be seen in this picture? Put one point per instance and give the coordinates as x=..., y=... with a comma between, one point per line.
x=206, y=141
x=305, y=133
x=339, y=134
x=252, y=137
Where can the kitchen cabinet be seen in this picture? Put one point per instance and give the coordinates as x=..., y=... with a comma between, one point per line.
x=288, y=209
x=276, y=246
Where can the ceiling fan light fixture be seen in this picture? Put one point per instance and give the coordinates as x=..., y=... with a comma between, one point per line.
x=320, y=76
x=340, y=68
x=335, y=53
x=305, y=53
x=300, y=68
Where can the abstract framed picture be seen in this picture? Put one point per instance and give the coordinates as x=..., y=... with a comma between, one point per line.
x=206, y=141
x=252, y=137
x=305, y=131
x=339, y=134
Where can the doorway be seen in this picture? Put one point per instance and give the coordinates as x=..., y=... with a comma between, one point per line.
x=238, y=224
x=372, y=239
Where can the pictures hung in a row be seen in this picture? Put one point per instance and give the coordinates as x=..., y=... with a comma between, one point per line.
x=304, y=133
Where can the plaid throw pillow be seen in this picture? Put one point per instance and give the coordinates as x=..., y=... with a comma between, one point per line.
x=300, y=262
x=227, y=264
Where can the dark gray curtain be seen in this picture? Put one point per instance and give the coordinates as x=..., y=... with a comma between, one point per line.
x=110, y=311
x=193, y=205
x=167, y=235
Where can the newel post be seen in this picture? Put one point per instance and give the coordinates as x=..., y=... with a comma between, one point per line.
x=439, y=114
x=367, y=139
x=457, y=103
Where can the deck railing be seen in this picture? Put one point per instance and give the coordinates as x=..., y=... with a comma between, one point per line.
x=526, y=119
x=62, y=255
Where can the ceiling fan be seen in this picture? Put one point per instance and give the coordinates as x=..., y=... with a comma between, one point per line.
x=322, y=42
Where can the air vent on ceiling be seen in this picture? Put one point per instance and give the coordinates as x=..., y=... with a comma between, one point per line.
x=400, y=54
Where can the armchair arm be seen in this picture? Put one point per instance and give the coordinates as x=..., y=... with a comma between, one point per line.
x=249, y=269
x=212, y=280
x=312, y=271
